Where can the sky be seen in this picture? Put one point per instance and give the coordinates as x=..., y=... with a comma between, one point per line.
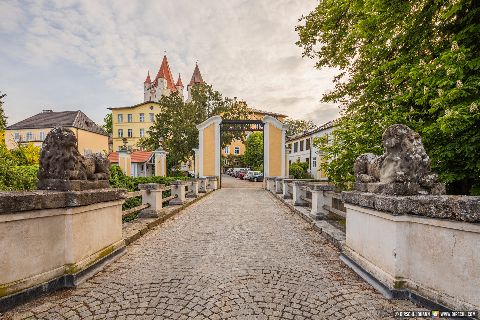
x=90, y=55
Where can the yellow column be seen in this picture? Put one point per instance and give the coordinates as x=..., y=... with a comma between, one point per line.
x=274, y=148
x=160, y=162
x=209, y=147
x=124, y=162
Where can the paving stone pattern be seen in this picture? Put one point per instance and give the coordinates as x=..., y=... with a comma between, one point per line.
x=237, y=254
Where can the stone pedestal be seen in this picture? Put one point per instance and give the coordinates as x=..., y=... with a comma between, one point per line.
x=48, y=238
x=270, y=184
x=212, y=183
x=320, y=198
x=406, y=243
x=151, y=194
x=279, y=185
x=178, y=189
x=202, y=185
x=192, y=189
x=299, y=192
x=287, y=193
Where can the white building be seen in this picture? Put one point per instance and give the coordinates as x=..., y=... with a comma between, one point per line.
x=163, y=84
x=302, y=149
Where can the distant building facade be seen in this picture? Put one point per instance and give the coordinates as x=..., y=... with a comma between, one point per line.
x=302, y=149
x=91, y=137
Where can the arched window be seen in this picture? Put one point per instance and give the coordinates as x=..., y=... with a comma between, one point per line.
x=237, y=150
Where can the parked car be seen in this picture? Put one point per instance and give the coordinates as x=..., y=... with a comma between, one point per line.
x=241, y=174
x=254, y=176
x=229, y=171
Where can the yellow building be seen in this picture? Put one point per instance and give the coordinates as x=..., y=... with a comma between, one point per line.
x=91, y=137
x=132, y=123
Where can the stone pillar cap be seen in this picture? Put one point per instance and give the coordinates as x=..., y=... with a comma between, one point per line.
x=178, y=182
x=150, y=186
x=320, y=187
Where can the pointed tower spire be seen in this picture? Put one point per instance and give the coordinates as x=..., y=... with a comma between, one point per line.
x=179, y=81
x=148, y=80
x=196, y=76
x=165, y=73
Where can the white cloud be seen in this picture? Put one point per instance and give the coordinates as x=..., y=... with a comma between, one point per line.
x=244, y=48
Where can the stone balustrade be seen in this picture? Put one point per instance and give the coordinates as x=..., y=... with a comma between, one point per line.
x=279, y=185
x=212, y=183
x=270, y=183
x=202, y=185
x=321, y=199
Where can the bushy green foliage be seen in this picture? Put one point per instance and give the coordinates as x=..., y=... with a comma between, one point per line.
x=298, y=126
x=18, y=168
x=409, y=62
x=119, y=180
x=299, y=170
x=3, y=118
x=253, y=156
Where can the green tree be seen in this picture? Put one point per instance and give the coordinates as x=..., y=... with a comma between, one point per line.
x=175, y=128
x=298, y=126
x=410, y=62
x=107, y=124
x=253, y=156
x=3, y=118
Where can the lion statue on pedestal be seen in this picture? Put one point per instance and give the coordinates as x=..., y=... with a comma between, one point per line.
x=404, y=162
x=61, y=161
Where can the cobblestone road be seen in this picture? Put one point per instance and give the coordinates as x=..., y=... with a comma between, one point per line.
x=237, y=254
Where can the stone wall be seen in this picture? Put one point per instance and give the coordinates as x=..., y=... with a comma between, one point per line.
x=48, y=238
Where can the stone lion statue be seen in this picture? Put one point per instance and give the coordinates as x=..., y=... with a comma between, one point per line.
x=404, y=161
x=60, y=159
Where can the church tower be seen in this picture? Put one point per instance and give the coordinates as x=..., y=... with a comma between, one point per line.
x=147, y=84
x=163, y=84
x=196, y=79
x=179, y=86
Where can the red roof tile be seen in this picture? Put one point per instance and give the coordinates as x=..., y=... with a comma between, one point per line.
x=136, y=156
x=179, y=81
x=165, y=73
x=148, y=78
x=196, y=76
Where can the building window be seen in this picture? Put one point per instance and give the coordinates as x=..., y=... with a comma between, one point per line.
x=120, y=118
x=142, y=117
x=307, y=144
x=301, y=145
x=129, y=117
x=314, y=162
x=42, y=136
x=17, y=136
x=237, y=150
x=289, y=146
x=152, y=117
x=295, y=147
x=226, y=150
x=142, y=133
x=130, y=133
x=120, y=133
x=29, y=136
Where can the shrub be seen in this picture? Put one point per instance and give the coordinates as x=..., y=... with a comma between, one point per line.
x=299, y=170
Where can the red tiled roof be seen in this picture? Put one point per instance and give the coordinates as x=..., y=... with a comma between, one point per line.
x=165, y=73
x=148, y=78
x=196, y=76
x=179, y=81
x=136, y=156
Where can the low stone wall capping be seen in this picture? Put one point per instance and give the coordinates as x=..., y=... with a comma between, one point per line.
x=459, y=208
x=19, y=201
